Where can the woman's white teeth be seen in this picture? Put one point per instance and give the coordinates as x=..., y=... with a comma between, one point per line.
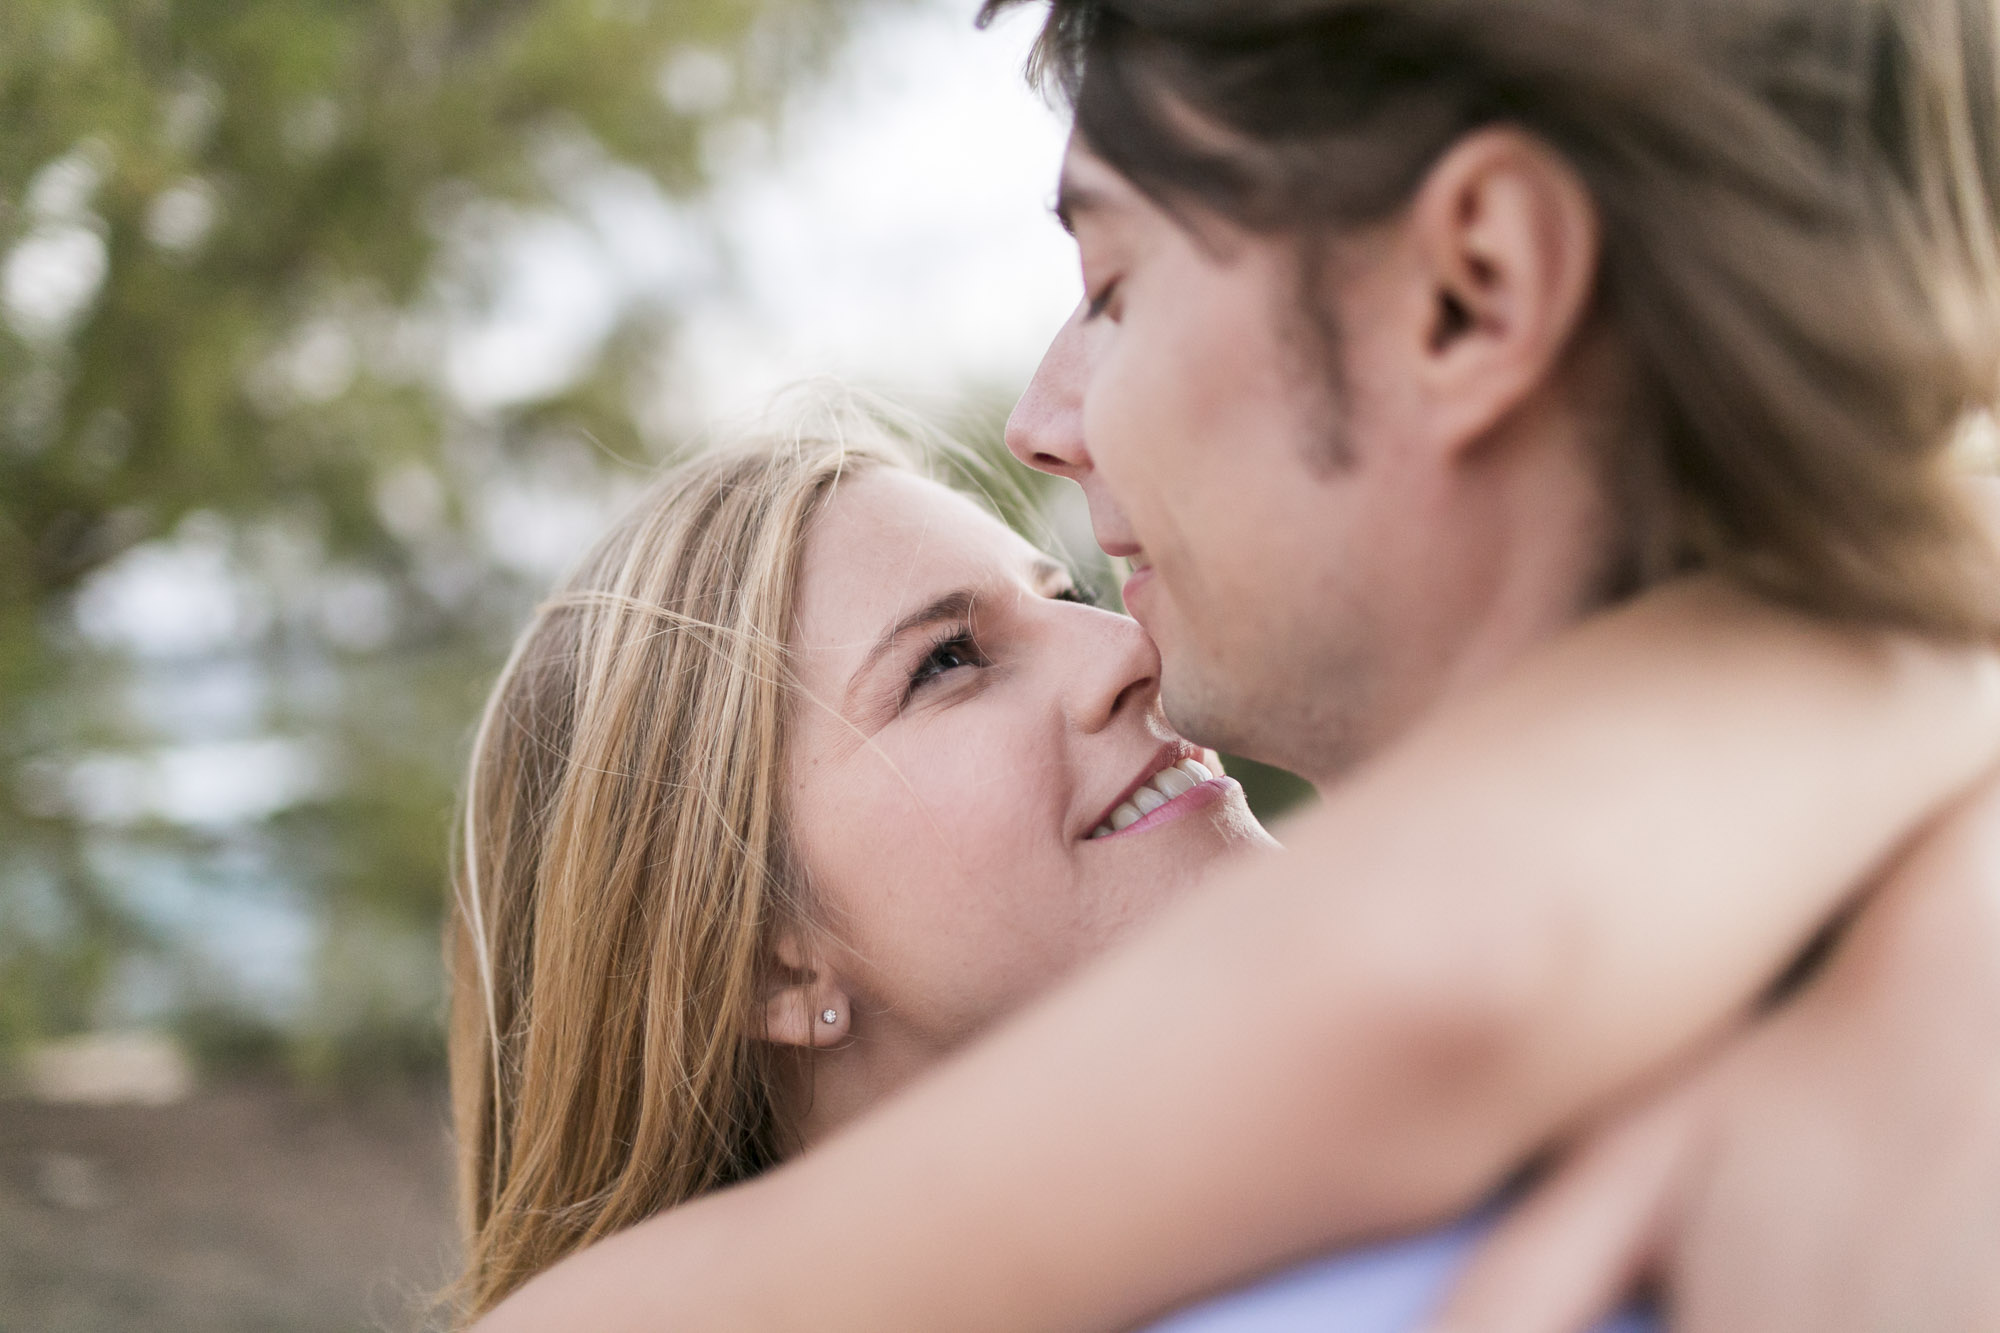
x=1162, y=787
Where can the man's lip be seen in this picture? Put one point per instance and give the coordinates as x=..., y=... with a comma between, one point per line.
x=1137, y=583
x=1118, y=548
x=1173, y=752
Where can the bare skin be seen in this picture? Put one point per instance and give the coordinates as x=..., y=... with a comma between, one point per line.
x=1832, y=1168
x=1527, y=584
x=1485, y=936
x=1450, y=1039
x=969, y=718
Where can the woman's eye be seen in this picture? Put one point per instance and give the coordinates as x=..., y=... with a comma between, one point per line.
x=1077, y=595
x=946, y=656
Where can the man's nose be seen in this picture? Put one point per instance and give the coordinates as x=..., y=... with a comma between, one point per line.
x=1045, y=430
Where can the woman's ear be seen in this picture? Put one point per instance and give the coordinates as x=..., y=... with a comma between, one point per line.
x=804, y=1004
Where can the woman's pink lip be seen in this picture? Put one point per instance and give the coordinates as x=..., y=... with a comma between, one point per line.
x=1198, y=797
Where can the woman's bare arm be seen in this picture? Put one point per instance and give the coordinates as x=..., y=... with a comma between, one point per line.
x=1833, y=1169
x=1557, y=885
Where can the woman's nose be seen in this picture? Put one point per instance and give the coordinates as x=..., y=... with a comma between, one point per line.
x=1118, y=671
x=1045, y=430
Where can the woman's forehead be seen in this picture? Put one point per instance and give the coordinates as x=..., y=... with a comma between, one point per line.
x=887, y=541
x=889, y=520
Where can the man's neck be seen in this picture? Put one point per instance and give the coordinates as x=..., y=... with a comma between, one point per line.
x=1532, y=528
x=1550, y=570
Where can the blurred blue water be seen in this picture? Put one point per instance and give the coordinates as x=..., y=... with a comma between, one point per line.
x=232, y=929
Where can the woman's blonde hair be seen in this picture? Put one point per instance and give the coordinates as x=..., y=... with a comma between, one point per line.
x=622, y=868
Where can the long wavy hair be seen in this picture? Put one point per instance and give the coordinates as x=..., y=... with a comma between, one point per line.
x=622, y=869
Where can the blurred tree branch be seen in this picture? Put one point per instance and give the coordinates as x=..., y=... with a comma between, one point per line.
x=232, y=243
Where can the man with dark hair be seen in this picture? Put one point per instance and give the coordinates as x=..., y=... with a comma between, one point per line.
x=1415, y=331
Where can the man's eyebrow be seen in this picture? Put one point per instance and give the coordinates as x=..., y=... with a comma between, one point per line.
x=958, y=604
x=1072, y=199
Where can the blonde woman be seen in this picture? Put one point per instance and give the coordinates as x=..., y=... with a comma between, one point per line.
x=815, y=771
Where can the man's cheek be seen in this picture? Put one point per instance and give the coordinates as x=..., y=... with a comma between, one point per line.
x=1138, y=440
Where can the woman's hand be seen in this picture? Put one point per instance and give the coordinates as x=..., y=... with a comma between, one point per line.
x=1835, y=1170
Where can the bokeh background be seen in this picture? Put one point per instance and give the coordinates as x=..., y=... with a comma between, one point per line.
x=330, y=330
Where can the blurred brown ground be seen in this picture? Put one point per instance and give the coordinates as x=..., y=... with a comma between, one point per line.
x=250, y=1207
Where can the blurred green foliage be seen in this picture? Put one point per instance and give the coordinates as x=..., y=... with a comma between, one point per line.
x=235, y=239
x=238, y=242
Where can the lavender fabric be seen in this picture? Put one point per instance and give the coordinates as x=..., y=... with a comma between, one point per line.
x=1386, y=1288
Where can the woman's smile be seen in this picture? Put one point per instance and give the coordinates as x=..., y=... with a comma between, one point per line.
x=1177, y=783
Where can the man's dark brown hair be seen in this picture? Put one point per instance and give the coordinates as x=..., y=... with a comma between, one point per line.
x=1798, y=201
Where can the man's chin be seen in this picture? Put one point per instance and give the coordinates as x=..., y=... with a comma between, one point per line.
x=1209, y=716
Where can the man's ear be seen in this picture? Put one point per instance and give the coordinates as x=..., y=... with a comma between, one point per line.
x=804, y=1003
x=1505, y=237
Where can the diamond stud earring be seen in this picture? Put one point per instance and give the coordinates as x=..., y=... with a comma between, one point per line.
x=829, y=1016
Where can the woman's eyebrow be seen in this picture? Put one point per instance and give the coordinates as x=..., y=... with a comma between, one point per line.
x=958, y=604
